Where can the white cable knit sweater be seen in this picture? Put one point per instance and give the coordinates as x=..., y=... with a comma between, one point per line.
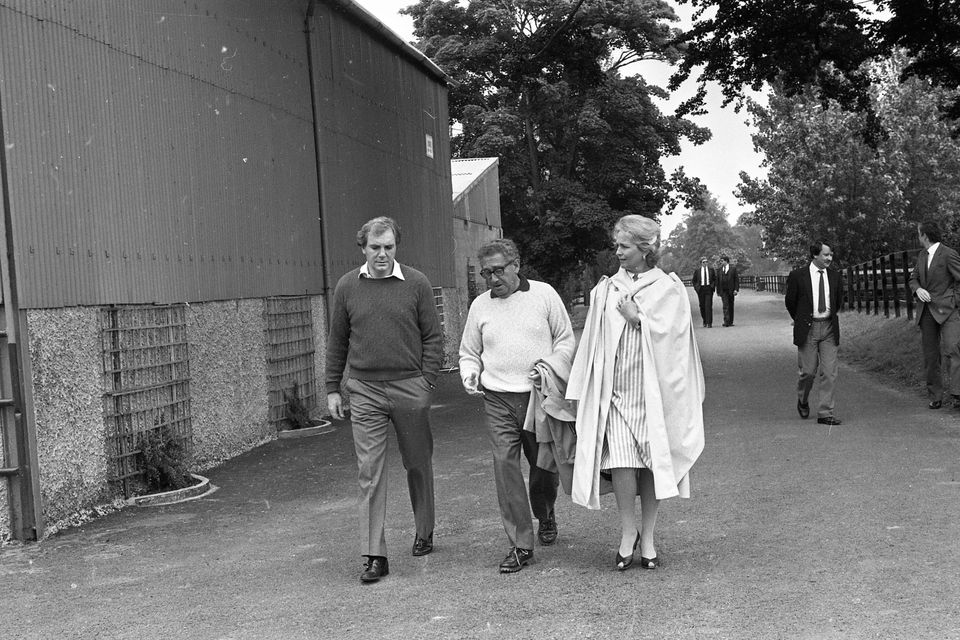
x=504, y=337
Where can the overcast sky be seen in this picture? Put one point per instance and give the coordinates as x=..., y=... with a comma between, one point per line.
x=717, y=163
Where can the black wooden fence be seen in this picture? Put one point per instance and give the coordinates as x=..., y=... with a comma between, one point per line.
x=881, y=284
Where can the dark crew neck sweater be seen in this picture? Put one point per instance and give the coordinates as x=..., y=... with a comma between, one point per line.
x=384, y=328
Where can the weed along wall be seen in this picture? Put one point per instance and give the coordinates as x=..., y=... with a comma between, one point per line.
x=206, y=374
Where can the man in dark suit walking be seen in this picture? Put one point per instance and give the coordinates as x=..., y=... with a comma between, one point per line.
x=934, y=281
x=813, y=299
x=728, y=285
x=704, y=281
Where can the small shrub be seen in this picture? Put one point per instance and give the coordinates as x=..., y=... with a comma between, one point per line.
x=164, y=460
x=296, y=412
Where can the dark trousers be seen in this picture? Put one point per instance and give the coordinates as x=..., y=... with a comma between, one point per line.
x=940, y=341
x=505, y=415
x=373, y=405
x=727, y=298
x=705, y=296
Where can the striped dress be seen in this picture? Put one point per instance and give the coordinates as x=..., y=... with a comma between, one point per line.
x=625, y=440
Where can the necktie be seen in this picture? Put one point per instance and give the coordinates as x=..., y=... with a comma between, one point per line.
x=822, y=304
x=705, y=279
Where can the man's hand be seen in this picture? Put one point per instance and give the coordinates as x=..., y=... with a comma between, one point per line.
x=471, y=384
x=335, y=405
x=923, y=295
x=534, y=376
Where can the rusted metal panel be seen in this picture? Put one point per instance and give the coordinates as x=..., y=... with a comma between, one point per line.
x=376, y=109
x=159, y=154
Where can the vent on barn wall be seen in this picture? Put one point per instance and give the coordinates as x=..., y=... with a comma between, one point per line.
x=146, y=378
x=290, y=355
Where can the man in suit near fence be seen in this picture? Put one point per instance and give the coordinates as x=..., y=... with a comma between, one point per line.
x=704, y=281
x=728, y=285
x=934, y=282
x=813, y=299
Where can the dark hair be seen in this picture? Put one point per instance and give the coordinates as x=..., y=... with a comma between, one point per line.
x=378, y=225
x=816, y=246
x=502, y=246
x=725, y=258
x=931, y=229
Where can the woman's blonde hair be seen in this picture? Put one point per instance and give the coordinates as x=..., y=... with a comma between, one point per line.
x=643, y=232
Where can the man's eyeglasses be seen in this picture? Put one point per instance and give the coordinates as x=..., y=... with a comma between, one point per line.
x=496, y=271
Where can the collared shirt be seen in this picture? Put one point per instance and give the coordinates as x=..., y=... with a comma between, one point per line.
x=726, y=267
x=397, y=273
x=930, y=251
x=704, y=276
x=524, y=286
x=815, y=282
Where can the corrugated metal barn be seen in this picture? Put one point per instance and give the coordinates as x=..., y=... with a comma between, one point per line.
x=181, y=183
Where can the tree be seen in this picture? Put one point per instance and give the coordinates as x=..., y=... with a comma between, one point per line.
x=824, y=180
x=537, y=83
x=788, y=44
x=704, y=231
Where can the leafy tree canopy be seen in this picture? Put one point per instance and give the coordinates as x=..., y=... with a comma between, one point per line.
x=538, y=84
x=824, y=180
x=789, y=43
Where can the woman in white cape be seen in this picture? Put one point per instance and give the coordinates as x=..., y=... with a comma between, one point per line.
x=639, y=386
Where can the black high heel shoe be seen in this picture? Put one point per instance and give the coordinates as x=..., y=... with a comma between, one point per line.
x=624, y=563
x=649, y=563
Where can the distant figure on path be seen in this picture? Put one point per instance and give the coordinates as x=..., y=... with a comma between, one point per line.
x=385, y=327
x=704, y=281
x=814, y=297
x=639, y=383
x=934, y=281
x=511, y=330
x=728, y=286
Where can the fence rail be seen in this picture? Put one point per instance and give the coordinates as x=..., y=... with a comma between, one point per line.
x=881, y=283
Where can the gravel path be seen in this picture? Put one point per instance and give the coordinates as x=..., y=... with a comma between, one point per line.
x=795, y=530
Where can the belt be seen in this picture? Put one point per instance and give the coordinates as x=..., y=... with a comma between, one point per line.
x=821, y=319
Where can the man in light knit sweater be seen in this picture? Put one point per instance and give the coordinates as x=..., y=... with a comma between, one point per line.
x=385, y=327
x=509, y=328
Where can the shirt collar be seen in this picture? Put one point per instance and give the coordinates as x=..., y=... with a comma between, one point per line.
x=524, y=286
x=933, y=248
x=397, y=273
x=814, y=268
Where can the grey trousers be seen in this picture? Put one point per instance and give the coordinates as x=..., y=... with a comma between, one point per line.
x=817, y=358
x=373, y=405
x=940, y=342
x=505, y=415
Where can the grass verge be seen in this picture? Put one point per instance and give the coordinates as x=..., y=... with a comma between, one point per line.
x=888, y=347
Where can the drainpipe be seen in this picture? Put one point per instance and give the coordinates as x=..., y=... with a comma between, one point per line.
x=324, y=232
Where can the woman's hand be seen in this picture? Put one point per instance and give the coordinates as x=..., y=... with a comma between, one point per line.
x=628, y=309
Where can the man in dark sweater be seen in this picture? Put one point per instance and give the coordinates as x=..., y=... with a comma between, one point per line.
x=385, y=327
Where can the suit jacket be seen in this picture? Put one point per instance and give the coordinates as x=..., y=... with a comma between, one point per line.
x=697, y=285
x=728, y=282
x=940, y=281
x=800, y=299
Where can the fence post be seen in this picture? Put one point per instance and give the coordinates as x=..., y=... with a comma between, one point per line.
x=883, y=286
x=858, y=288
x=848, y=303
x=908, y=294
x=896, y=285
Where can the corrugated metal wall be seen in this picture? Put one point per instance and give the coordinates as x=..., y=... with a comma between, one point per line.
x=375, y=110
x=159, y=151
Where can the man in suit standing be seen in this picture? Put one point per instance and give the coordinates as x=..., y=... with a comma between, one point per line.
x=728, y=285
x=704, y=281
x=813, y=299
x=934, y=281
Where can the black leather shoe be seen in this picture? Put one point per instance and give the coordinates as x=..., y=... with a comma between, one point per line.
x=803, y=409
x=516, y=559
x=422, y=546
x=828, y=420
x=956, y=402
x=649, y=563
x=376, y=568
x=547, y=531
x=935, y=404
x=624, y=563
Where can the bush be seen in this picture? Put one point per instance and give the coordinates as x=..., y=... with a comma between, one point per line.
x=164, y=460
